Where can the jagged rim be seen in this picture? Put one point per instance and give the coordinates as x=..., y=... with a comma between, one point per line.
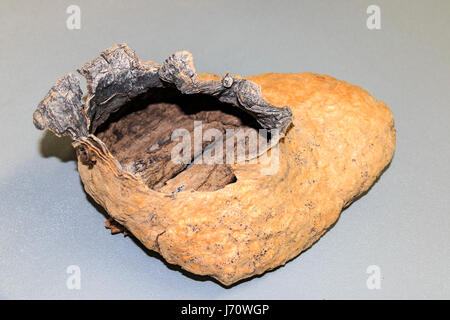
x=118, y=75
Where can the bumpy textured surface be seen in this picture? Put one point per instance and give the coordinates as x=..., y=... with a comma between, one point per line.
x=340, y=140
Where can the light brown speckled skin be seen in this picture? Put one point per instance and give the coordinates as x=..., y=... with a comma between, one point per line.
x=341, y=140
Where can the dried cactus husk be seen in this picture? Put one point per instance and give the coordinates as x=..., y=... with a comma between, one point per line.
x=335, y=140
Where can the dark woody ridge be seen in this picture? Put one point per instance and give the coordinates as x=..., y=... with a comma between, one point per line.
x=118, y=75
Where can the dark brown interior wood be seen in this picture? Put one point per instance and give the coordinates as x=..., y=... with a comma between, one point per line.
x=139, y=136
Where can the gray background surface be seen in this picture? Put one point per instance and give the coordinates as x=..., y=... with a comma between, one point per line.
x=402, y=225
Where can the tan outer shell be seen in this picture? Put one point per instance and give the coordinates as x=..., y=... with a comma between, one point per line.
x=341, y=140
